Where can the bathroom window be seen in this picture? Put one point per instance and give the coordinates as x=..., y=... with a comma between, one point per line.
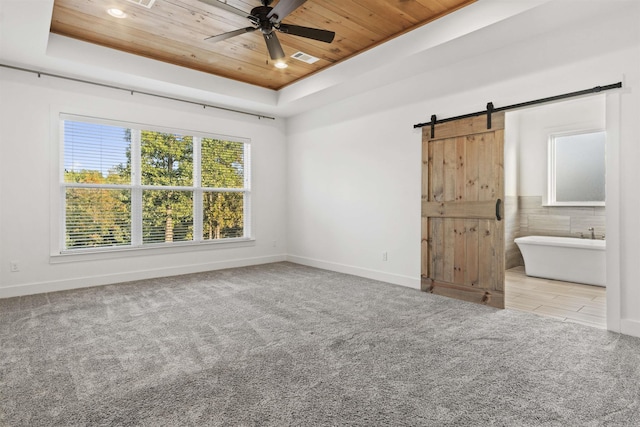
x=577, y=169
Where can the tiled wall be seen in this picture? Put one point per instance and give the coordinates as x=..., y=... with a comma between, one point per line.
x=534, y=219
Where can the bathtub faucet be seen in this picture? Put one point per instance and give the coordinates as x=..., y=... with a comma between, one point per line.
x=593, y=233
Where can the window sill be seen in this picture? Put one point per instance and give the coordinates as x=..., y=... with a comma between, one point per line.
x=574, y=205
x=157, y=249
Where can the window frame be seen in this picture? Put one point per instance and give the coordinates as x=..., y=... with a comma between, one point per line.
x=136, y=188
x=551, y=170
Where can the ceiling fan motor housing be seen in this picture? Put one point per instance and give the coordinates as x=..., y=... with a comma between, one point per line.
x=263, y=22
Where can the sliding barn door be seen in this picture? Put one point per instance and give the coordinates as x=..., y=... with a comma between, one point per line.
x=462, y=194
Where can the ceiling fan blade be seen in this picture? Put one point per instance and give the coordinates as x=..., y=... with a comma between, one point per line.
x=230, y=34
x=274, y=46
x=282, y=9
x=226, y=7
x=310, y=33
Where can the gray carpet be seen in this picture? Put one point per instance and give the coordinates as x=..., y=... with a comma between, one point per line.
x=283, y=344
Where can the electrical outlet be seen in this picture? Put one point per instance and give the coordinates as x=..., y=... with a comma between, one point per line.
x=275, y=243
x=14, y=266
x=384, y=256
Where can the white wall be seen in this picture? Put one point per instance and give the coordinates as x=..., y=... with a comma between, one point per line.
x=355, y=165
x=28, y=153
x=352, y=197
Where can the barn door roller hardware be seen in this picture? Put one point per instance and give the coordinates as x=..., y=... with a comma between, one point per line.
x=433, y=125
x=489, y=112
x=491, y=109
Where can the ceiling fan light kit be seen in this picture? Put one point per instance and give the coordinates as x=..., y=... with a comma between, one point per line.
x=267, y=19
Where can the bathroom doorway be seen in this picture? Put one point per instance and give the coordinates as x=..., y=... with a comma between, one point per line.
x=529, y=209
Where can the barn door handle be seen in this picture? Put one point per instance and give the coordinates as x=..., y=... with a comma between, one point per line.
x=498, y=205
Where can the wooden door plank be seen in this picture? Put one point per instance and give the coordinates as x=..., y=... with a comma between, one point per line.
x=436, y=241
x=498, y=162
x=474, y=125
x=471, y=169
x=459, y=250
x=487, y=252
x=425, y=171
x=448, y=262
x=484, y=209
x=471, y=251
x=486, y=187
x=479, y=296
x=450, y=169
x=425, y=254
x=461, y=156
x=436, y=170
x=500, y=260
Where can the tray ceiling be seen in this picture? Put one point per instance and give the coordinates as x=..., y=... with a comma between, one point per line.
x=174, y=31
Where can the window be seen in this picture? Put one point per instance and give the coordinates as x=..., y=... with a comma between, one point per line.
x=577, y=169
x=133, y=186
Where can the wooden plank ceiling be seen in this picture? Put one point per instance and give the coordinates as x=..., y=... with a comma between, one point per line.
x=174, y=31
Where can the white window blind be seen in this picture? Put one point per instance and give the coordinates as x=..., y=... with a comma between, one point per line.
x=125, y=186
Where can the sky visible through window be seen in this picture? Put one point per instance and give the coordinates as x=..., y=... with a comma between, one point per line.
x=94, y=147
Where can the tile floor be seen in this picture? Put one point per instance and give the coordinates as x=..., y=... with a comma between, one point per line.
x=570, y=302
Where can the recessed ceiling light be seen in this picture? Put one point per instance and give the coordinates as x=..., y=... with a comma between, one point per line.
x=116, y=13
x=280, y=64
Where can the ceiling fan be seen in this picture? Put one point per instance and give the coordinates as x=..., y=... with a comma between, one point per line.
x=267, y=19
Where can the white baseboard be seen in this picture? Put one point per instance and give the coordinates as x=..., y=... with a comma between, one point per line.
x=89, y=281
x=382, y=276
x=630, y=327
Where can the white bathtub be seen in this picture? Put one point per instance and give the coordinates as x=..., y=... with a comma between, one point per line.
x=564, y=258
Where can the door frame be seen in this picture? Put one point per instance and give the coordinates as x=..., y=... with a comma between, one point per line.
x=612, y=215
